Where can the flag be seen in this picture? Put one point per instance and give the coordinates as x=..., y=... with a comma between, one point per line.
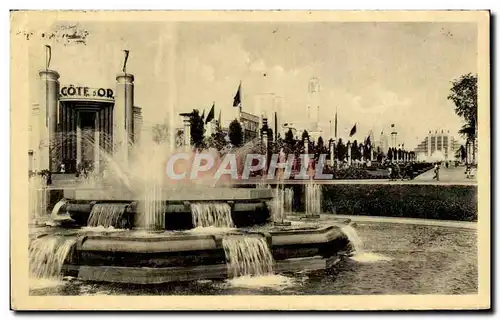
x=353, y=131
x=237, y=97
x=335, y=124
x=48, y=56
x=211, y=114
x=125, y=61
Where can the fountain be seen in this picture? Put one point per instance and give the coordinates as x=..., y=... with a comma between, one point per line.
x=107, y=215
x=47, y=255
x=135, y=226
x=247, y=256
x=288, y=200
x=37, y=197
x=313, y=200
x=212, y=215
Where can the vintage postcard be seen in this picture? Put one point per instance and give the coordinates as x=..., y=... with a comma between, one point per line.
x=285, y=160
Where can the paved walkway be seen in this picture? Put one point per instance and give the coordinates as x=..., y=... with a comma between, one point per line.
x=451, y=174
x=414, y=221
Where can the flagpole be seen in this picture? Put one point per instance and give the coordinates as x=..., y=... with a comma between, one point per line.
x=336, y=122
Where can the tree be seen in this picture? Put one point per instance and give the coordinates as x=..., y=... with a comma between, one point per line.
x=461, y=153
x=340, y=151
x=320, y=146
x=217, y=140
x=289, y=140
x=197, y=129
x=235, y=133
x=305, y=135
x=463, y=93
x=355, y=150
x=160, y=133
x=270, y=135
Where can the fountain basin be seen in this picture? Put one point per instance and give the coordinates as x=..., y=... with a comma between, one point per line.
x=178, y=213
x=139, y=257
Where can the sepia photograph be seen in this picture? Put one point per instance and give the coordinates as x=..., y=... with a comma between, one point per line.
x=271, y=160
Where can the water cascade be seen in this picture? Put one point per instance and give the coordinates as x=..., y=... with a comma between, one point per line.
x=247, y=255
x=47, y=255
x=313, y=199
x=211, y=214
x=360, y=255
x=354, y=238
x=107, y=215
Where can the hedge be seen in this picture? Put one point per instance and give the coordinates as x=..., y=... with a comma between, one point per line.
x=445, y=202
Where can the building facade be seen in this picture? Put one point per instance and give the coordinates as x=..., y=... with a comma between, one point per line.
x=437, y=143
x=249, y=125
x=76, y=125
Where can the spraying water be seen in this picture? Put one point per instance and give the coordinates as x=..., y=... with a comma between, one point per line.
x=107, y=215
x=247, y=255
x=47, y=255
x=288, y=200
x=211, y=214
x=278, y=205
x=154, y=217
x=37, y=196
x=313, y=199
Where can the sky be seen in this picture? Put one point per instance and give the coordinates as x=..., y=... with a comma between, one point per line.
x=371, y=74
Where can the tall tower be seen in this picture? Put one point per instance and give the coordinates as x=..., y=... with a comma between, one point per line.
x=313, y=104
x=394, y=135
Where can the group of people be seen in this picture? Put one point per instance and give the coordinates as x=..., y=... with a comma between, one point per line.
x=83, y=170
x=397, y=172
x=469, y=171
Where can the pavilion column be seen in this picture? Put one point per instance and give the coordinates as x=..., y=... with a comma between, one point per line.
x=78, y=140
x=349, y=160
x=332, y=152
x=123, y=116
x=97, y=143
x=429, y=142
x=49, y=100
x=187, y=132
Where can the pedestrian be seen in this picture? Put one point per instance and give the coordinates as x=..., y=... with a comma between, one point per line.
x=397, y=170
x=436, y=172
x=389, y=169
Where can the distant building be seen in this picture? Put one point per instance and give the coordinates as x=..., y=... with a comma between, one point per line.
x=72, y=124
x=437, y=144
x=383, y=142
x=250, y=126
